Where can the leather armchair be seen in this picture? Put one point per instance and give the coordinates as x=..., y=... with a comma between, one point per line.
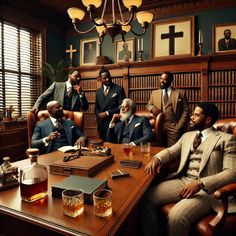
x=33, y=118
x=157, y=123
x=221, y=223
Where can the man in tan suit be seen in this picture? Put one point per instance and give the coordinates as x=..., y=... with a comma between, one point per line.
x=207, y=162
x=173, y=103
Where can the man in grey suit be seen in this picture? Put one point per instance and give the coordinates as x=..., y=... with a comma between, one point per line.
x=56, y=131
x=108, y=99
x=207, y=162
x=173, y=103
x=69, y=94
x=130, y=128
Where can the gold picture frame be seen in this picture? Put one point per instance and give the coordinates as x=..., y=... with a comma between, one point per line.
x=88, y=51
x=173, y=37
x=218, y=38
x=125, y=55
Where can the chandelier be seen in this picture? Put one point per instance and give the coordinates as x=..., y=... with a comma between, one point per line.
x=117, y=25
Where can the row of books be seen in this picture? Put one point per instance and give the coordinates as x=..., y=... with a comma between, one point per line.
x=146, y=81
x=227, y=77
x=225, y=93
x=192, y=79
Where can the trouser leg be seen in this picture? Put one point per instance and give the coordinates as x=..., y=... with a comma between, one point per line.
x=155, y=197
x=186, y=212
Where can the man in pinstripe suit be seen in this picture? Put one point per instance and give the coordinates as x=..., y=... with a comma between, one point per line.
x=203, y=168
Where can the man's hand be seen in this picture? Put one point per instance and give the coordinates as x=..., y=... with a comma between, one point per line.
x=102, y=115
x=190, y=189
x=115, y=118
x=78, y=89
x=153, y=166
x=34, y=110
x=81, y=142
x=155, y=111
x=52, y=136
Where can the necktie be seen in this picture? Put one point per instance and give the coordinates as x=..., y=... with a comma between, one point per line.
x=197, y=141
x=58, y=123
x=127, y=121
x=165, y=96
x=106, y=91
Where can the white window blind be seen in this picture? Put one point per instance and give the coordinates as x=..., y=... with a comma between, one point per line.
x=20, y=63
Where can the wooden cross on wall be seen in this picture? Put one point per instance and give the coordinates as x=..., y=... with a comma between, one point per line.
x=71, y=51
x=171, y=36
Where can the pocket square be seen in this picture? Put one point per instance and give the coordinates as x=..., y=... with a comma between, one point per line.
x=179, y=100
x=137, y=124
x=113, y=95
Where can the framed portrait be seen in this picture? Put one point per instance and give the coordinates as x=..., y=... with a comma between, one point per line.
x=125, y=51
x=224, y=38
x=173, y=38
x=88, y=51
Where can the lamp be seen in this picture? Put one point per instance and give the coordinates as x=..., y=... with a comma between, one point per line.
x=118, y=25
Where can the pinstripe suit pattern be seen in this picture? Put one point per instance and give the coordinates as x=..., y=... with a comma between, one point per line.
x=217, y=168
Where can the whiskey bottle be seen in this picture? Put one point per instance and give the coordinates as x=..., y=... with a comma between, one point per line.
x=33, y=178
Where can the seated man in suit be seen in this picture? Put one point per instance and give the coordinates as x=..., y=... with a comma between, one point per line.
x=56, y=131
x=207, y=162
x=69, y=94
x=130, y=128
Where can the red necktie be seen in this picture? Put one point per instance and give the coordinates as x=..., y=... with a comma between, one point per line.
x=197, y=140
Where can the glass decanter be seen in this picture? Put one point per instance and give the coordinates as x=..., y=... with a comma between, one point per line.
x=33, y=178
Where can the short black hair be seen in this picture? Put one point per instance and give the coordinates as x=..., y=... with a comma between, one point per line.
x=169, y=75
x=104, y=70
x=209, y=109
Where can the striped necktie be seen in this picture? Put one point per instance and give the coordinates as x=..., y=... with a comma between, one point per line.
x=165, y=96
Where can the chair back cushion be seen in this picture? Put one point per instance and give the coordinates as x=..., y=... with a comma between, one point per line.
x=156, y=123
x=226, y=125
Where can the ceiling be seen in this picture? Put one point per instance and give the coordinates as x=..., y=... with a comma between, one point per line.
x=55, y=11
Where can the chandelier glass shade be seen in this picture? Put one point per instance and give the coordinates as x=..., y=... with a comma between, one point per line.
x=117, y=25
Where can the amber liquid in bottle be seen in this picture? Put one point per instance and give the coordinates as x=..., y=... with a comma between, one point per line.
x=33, y=189
x=33, y=179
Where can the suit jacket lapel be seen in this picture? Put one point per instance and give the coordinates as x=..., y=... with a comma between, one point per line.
x=109, y=96
x=210, y=143
x=74, y=99
x=120, y=127
x=132, y=125
x=67, y=131
x=49, y=129
x=187, y=144
x=173, y=99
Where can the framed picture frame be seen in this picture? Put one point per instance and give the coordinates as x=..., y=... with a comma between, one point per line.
x=88, y=51
x=173, y=37
x=125, y=51
x=224, y=38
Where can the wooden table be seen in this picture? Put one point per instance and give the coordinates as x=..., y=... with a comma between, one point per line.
x=45, y=217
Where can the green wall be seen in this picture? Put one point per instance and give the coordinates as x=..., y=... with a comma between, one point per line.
x=203, y=21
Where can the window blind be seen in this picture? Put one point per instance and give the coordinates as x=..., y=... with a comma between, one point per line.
x=20, y=63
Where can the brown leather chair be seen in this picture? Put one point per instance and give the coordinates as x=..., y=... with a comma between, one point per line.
x=221, y=223
x=156, y=123
x=33, y=118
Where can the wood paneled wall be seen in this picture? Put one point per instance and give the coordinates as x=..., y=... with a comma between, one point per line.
x=205, y=78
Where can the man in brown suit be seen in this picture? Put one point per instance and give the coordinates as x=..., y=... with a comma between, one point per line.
x=207, y=161
x=173, y=103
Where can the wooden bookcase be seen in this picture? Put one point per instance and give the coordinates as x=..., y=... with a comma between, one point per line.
x=204, y=78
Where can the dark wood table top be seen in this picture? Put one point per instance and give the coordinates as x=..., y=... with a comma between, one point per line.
x=47, y=212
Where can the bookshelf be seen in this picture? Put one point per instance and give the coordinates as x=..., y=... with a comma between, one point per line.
x=204, y=78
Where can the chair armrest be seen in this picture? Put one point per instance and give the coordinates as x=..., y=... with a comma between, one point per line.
x=222, y=194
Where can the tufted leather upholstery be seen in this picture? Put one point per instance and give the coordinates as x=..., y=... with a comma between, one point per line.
x=156, y=123
x=221, y=223
x=32, y=119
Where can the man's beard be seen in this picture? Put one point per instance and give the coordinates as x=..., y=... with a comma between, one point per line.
x=58, y=114
x=196, y=126
x=125, y=115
